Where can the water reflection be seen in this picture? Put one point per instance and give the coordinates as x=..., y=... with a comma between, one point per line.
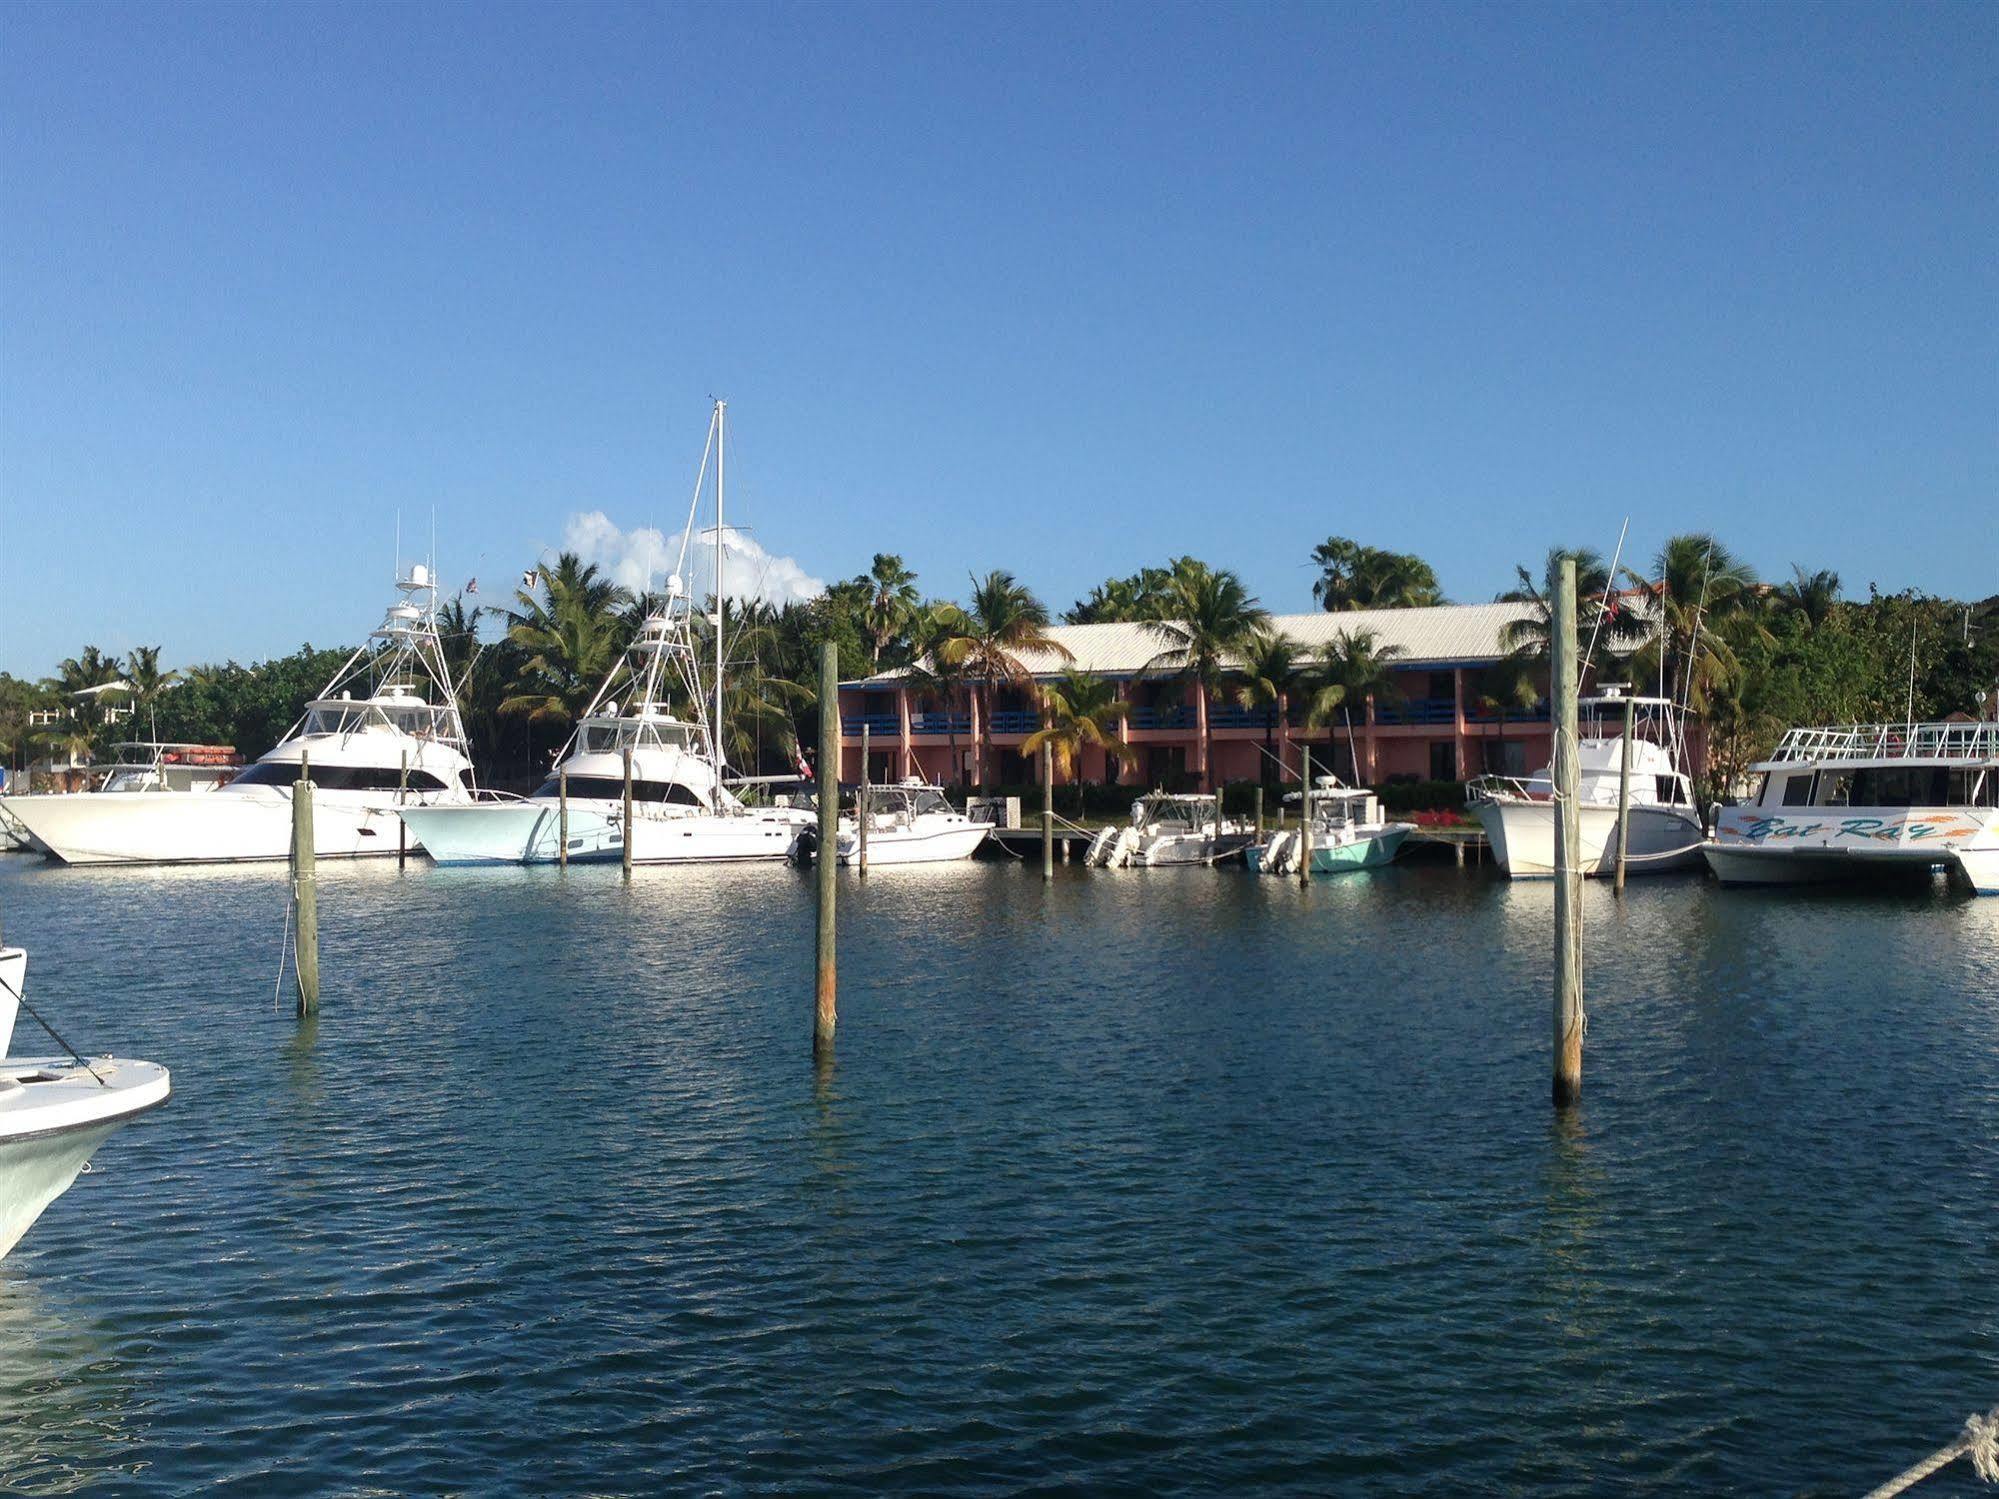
x=65, y=1394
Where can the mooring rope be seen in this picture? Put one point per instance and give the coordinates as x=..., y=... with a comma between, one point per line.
x=284, y=947
x=1980, y=1442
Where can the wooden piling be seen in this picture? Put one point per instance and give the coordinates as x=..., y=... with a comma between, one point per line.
x=863, y=809
x=305, y=890
x=1568, y=1081
x=402, y=828
x=1305, y=822
x=1259, y=811
x=825, y=1008
x=626, y=855
x=562, y=819
x=1624, y=794
x=1047, y=812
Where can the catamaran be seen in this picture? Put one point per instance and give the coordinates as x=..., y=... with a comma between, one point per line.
x=55, y=1112
x=683, y=811
x=1865, y=801
x=1666, y=831
x=369, y=755
x=1348, y=832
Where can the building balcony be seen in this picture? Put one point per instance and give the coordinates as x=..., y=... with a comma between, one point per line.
x=878, y=725
x=940, y=723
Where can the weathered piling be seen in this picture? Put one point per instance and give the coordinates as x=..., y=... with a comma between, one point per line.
x=1305, y=822
x=1568, y=1083
x=1047, y=812
x=1259, y=811
x=1624, y=794
x=825, y=1008
x=562, y=819
x=305, y=889
x=626, y=855
x=402, y=828
x=863, y=808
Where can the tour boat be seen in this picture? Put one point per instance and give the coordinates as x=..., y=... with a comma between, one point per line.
x=369, y=755
x=1167, y=828
x=1348, y=832
x=55, y=1112
x=1865, y=801
x=909, y=823
x=1666, y=831
x=145, y=766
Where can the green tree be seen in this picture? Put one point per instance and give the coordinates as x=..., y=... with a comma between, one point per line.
x=935, y=673
x=1078, y=712
x=1600, y=616
x=1347, y=671
x=1271, y=671
x=1211, y=618
x=570, y=632
x=1353, y=576
x=1811, y=596
x=1004, y=622
x=1702, y=603
x=892, y=603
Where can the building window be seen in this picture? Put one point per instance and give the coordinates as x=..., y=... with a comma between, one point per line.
x=1443, y=760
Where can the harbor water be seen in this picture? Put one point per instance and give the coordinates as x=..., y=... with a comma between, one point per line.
x=1166, y=1182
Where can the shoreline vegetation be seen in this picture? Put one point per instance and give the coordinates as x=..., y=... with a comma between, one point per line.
x=1750, y=657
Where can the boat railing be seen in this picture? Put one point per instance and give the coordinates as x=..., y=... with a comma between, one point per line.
x=1890, y=741
x=1492, y=788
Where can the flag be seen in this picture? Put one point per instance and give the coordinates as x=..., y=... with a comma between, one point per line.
x=530, y=580
x=473, y=586
x=804, y=770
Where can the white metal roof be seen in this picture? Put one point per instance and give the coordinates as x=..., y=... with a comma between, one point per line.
x=1447, y=634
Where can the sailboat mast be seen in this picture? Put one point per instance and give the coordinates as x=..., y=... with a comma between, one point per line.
x=721, y=421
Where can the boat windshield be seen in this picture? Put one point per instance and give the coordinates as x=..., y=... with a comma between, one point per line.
x=612, y=789
x=609, y=736
x=414, y=718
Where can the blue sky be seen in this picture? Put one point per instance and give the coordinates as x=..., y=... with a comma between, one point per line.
x=1059, y=289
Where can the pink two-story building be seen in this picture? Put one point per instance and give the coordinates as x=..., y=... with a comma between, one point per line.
x=1446, y=724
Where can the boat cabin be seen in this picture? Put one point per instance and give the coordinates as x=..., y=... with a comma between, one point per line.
x=1952, y=764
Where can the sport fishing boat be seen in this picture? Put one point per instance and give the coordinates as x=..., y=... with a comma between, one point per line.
x=1167, y=828
x=1348, y=832
x=55, y=1112
x=1865, y=801
x=150, y=767
x=683, y=811
x=398, y=743
x=909, y=823
x=1666, y=830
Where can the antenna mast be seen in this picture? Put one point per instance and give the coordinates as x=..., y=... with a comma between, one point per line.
x=721, y=420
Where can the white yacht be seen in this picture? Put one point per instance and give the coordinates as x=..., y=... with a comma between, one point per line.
x=1168, y=828
x=1868, y=800
x=146, y=766
x=1348, y=832
x=1666, y=829
x=398, y=743
x=55, y=1112
x=909, y=823
x=682, y=809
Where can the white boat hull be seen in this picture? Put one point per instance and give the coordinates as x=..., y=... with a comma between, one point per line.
x=527, y=832
x=703, y=838
x=915, y=846
x=1797, y=846
x=54, y=1113
x=1522, y=838
x=1166, y=850
x=222, y=827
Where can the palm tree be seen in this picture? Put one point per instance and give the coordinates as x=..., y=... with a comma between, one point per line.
x=1810, y=596
x=571, y=634
x=758, y=704
x=1348, y=670
x=1599, y=616
x=1270, y=673
x=1698, y=588
x=935, y=676
x=1510, y=682
x=1211, y=617
x=892, y=601
x=1004, y=621
x=1353, y=576
x=1079, y=711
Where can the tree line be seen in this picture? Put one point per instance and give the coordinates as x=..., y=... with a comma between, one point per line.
x=1749, y=658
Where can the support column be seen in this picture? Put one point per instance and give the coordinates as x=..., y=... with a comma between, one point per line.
x=1123, y=723
x=1463, y=730
x=1201, y=737
x=1367, y=745
x=908, y=749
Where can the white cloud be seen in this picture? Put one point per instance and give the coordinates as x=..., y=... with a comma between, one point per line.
x=646, y=554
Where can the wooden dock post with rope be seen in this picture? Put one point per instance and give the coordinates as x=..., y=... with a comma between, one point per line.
x=402, y=828
x=1047, y=812
x=305, y=890
x=1305, y=822
x=862, y=808
x=825, y=1002
x=1568, y=1011
x=562, y=819
x=1624, y=793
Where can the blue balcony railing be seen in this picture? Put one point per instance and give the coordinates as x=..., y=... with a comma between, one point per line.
x=1478, y=713
x=1417, y=710
x=878, y=725
x=1016, y=721
x=1149, y=717
x=940, y=723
